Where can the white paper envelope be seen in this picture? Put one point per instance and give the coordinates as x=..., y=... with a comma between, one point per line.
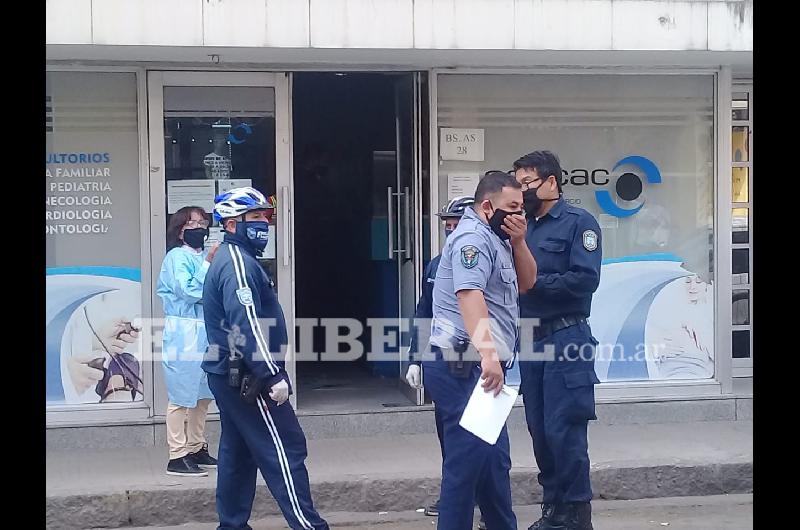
x=485, y=415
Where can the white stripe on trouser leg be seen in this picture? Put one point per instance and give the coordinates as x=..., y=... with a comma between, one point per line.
x=241, y=280
x=284, y=463
x=288, y=472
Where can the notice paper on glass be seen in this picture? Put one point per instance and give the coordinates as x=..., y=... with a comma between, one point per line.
x=196, y=192
x=461, y=184
x=224, y=185
x=485, y=414
x=214, y=236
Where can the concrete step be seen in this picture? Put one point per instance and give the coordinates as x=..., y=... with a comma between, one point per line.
x=731, y=512
x=403, y=421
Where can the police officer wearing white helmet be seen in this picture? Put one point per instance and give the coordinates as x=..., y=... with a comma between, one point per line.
x=246, y=333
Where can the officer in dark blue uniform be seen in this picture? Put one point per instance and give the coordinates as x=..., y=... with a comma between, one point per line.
x=559, y=392
x=477, y=283
x=450, y=215
x=251, y=387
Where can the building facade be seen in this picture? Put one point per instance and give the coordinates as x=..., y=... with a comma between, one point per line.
x=363, y=118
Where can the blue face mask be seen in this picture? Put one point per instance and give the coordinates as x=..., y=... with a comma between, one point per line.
x=256, y=232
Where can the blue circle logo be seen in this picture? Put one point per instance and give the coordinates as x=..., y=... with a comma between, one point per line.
x=629, y=185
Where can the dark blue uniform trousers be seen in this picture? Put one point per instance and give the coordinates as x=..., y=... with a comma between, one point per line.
x=559, y=402
x=437, y=416
x=470, y=467
x=267, y=437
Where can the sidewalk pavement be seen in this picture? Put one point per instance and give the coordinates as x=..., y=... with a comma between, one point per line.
x=129, y=487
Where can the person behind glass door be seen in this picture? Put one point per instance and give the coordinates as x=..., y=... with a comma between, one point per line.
x=180, y=286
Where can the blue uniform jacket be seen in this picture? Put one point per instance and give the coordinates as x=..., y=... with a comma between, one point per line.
x=425, y=304
x=567, y=245
x=241, y=311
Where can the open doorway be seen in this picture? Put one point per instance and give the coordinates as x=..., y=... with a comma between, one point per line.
x=353, y=224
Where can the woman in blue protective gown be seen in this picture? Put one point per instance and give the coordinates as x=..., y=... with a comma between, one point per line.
x=180, y=286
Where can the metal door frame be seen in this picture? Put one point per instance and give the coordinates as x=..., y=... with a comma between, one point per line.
x=156, y=81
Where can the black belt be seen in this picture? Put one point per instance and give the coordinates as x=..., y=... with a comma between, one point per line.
x=440, y=354
x=551, y=325
x=461, y=368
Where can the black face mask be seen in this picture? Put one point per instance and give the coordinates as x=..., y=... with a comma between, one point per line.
x=195, y=237
x=531, y=202
x=496, y=221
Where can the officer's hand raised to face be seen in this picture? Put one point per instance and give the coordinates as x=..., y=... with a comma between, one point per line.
x=492, y=372
x=516, y=226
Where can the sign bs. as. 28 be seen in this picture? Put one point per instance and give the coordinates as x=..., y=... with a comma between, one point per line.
x=461, y=144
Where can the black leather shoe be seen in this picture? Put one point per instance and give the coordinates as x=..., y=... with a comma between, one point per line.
x=579, y=516
x=556, y=519
x=547, y=511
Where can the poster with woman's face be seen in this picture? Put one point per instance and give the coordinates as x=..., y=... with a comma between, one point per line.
x=680, y=329
x=661, y=326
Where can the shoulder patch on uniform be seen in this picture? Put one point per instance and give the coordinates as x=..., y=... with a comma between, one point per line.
x=590, y=240
x=245, y=296
x=469, y=256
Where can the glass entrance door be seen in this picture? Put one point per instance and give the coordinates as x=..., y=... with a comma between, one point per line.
x=211, y=132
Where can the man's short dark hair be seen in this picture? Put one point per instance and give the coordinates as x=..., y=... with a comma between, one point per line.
x=494, y=182
x=544, y=162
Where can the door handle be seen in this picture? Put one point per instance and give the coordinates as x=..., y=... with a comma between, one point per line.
x=408, y=224
x=390, y=219
x=285, y=224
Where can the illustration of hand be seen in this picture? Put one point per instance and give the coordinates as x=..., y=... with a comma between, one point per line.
x=114, y=335
x=83, y=376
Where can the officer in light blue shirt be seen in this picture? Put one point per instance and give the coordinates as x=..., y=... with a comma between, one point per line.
x=485, y=264
x=450, y=216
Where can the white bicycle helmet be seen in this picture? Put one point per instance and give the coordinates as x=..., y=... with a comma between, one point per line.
x=239, y=201
x=455, y=208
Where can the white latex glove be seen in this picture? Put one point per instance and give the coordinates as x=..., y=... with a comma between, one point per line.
x=279, y=391
x=414, y=376
x=83, y=376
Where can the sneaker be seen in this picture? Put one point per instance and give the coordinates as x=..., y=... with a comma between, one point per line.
x=202, y=459
x=184, y=467
x=433, y=509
